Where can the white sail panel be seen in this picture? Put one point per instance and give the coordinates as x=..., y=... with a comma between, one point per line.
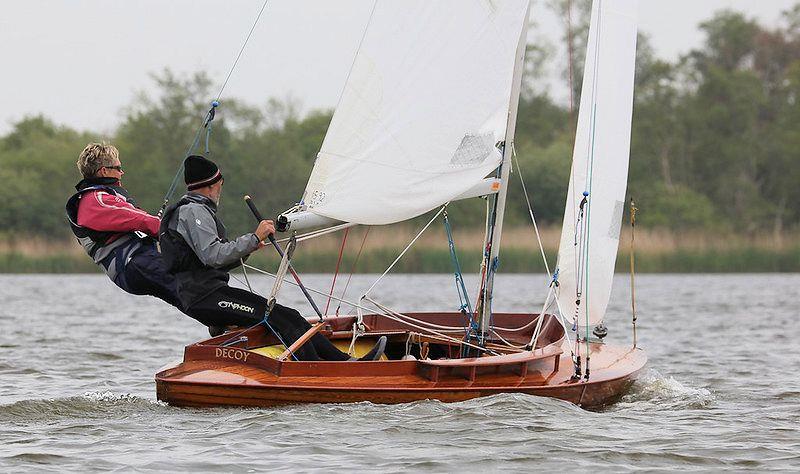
x=422, y=110
x=588, y=249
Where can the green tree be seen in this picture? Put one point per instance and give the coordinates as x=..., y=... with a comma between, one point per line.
x=37, y=167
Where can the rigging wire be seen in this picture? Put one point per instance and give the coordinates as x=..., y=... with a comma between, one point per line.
x=553, y=278
x=413, y=241
x=590, y=169
x=633, y=267
x=355, y=56
x=209, y=117
x=530, y=211
x=241, y=50
x=573, y=119
x=465, y=307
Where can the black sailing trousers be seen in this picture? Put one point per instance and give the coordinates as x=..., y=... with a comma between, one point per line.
x=230, y=306
x=146, y=274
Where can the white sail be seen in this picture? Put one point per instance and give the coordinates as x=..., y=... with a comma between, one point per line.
x=424, y=105
x=588, y=248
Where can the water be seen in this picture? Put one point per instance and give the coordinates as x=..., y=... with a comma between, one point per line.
x=77, y=392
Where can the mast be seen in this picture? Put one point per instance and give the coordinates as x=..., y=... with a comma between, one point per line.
x=497, y=204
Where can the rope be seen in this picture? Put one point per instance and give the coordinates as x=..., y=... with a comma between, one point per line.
x=400, y=317
x=237, y=337
x=353, y=269
x=336, y=272
x=393, y=316
x=388, y=313
x=278, y=336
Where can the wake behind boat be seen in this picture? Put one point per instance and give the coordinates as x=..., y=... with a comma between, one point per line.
x=427, y=117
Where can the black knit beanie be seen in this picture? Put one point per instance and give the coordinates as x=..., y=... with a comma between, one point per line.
x=199, y=172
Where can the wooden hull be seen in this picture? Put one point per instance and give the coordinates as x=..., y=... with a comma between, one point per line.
x=211, y=375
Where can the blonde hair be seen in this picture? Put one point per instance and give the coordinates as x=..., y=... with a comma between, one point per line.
x=95, y=156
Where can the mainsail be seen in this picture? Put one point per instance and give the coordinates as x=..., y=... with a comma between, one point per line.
x=424, y=105
x=590, y=239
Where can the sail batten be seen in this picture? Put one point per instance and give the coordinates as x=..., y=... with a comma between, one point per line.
x=421, y=113
x=598, y=180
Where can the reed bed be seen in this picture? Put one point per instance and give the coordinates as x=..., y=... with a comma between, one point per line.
x=657, y=251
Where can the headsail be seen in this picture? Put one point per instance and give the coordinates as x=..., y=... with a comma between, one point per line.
x=589, y=240
x=424, y=105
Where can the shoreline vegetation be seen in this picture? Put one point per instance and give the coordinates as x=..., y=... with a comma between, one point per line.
x=656, y=252
x=714, y=163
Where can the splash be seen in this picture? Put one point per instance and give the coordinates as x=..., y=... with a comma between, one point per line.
x=666, y=392
x=111, y=397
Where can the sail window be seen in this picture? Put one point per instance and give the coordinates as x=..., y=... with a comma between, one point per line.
x=473, y=150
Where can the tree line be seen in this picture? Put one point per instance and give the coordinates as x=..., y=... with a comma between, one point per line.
x=715, y=145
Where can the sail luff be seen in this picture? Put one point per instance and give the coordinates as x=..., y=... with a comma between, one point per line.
x=598, y=181
x=505, y=172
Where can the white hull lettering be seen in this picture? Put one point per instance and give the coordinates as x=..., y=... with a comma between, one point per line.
x=235, y=354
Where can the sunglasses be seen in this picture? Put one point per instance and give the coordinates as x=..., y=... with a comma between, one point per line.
x=118, y=167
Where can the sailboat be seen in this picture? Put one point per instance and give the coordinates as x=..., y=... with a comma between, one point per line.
x=427, y=117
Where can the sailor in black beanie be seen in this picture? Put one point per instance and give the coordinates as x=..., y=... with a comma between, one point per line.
x=196, y=250
x=199, y=172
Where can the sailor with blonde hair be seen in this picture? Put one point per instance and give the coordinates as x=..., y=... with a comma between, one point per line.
x=118, y=235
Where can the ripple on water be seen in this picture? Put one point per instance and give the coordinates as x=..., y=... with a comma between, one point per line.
x=90, y=405
x=37, y=458
x=707, y=407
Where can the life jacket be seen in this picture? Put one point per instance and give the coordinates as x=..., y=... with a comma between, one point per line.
x=195, y=280
x=110, y=250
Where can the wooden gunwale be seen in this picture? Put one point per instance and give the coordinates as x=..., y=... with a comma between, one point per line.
x=393, y=389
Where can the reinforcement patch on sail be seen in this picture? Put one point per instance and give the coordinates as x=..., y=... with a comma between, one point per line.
x=425, y=103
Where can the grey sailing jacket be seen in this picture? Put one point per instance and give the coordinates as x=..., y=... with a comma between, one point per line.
x=196, y=224
x=195, y=248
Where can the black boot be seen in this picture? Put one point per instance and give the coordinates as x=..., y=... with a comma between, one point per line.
x=215, y=331
x=376, y=352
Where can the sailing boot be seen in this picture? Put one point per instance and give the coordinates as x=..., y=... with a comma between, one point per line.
x=215, y=331
x=376, y=352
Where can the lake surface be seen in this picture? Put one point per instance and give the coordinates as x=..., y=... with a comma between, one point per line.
x=77, y=359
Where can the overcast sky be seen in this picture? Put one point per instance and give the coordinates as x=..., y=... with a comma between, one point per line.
x=79, y=62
